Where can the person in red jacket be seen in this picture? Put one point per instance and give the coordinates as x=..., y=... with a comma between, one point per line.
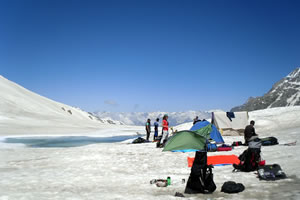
x=165, y=129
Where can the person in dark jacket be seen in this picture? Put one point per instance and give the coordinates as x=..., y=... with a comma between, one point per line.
x=156, y=129
x=249, y=132
x=148, y=128
x=196, y=119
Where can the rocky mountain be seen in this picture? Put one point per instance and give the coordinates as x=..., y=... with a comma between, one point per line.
x=139, y=118
x=285, y=92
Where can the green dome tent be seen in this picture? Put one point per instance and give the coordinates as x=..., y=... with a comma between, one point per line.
x=186, y=141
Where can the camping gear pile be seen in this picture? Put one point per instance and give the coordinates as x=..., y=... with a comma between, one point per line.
x=204, y=137
x=250, y=158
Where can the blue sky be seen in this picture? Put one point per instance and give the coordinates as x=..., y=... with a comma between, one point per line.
x=149, y=55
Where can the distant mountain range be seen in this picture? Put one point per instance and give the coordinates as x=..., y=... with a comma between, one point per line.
x=285, y=92
x=19, y=106
x=24, y=109
x=139, y=118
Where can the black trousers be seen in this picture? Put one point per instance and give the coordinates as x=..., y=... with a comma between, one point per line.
x=148, y=135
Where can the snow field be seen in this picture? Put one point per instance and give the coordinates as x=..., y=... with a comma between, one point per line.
x=123, y=171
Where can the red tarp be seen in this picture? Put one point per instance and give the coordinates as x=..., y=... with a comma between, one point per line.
x=217, y=160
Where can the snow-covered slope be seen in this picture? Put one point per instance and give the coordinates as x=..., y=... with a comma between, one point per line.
x=274, y=119
x=285, y=92
x=22, y=110
x=123, y=171
x=139, y=118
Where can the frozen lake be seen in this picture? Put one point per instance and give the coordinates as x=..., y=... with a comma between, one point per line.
x=64, y=141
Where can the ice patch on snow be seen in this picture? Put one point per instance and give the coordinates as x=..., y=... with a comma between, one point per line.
x=64, y=141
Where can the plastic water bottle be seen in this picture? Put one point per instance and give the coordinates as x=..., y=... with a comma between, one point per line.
x=169, y=180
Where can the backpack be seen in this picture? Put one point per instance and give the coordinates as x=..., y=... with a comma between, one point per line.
x=269, y=141
x=232, y=187
x=249, y=160
x=201, y=176
x=270, y=172
x=139, y=140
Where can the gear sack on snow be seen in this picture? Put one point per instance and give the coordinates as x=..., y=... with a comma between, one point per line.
x=201, y=176
x=270, y=172
x=269, y=141
x=232, y=187
x=139, y=140
x=250, y=158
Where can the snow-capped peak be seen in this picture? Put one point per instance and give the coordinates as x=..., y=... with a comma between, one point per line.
x=285, y=92
x=294, y=73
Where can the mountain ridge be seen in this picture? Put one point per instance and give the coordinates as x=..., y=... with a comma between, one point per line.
x=285, y=92
x=139, y=118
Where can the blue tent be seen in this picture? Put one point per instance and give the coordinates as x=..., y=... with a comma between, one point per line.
x=214, y=134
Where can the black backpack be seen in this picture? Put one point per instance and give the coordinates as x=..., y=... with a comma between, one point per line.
x=139, y=140
x=232, y=187
x=270, y=172
x=201, y=176
x=269, y=141
x=249, y=160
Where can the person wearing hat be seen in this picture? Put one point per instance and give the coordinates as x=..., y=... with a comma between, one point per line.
x=165, y=129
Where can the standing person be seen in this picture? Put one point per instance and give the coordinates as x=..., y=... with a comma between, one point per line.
x=156, y=129
x=148, y=129
x=165, y=129
x=249, y=132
